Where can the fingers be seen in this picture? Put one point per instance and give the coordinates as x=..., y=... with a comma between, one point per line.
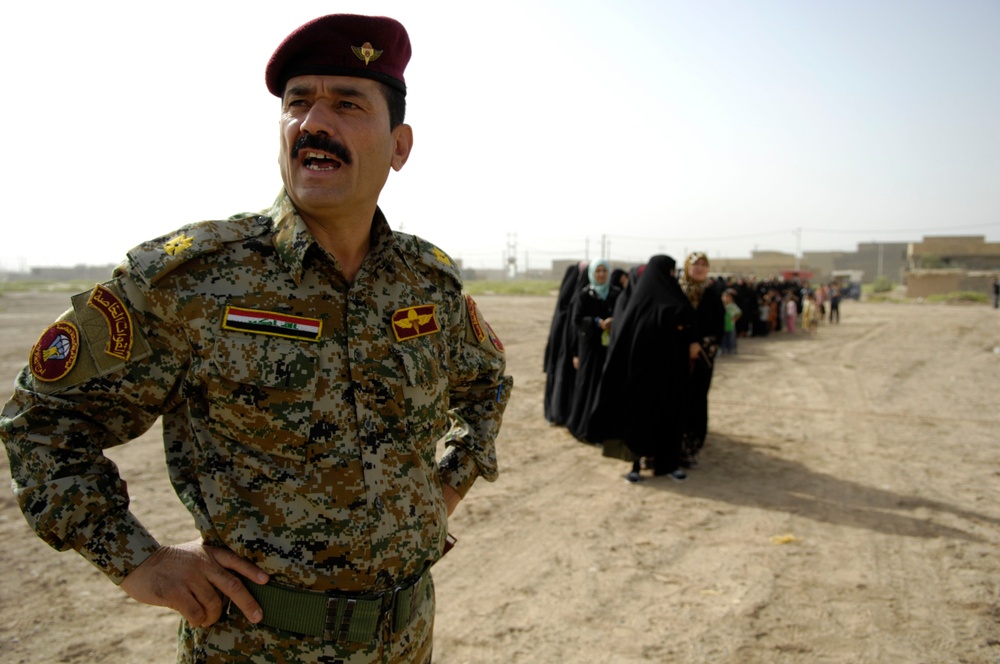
x=229, y=560
x=194, y=580
x=231, y=586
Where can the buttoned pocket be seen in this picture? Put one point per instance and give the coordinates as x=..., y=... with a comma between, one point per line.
x=424, y=394
x=261, y=393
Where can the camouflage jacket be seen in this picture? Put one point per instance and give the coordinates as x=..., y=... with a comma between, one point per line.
x=302, y=414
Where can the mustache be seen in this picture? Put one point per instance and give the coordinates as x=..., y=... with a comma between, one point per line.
x=324, y=143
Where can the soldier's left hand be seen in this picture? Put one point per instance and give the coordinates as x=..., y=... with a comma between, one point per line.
x=192, y=579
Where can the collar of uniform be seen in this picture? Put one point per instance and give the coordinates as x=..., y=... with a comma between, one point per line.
x=292, y=238
x=382, y=240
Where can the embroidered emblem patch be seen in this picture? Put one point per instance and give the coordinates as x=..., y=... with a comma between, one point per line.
x=494, y=338
x=178, y=244
x=366, y=52
x=414, y=322
x=54, y=354
x=477, y=327
x=272, y=323
x=441, y=256
x=119, y=322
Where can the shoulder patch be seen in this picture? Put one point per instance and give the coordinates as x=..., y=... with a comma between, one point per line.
x=95, y=336
x=54, y=354
x=478, y=330
x=110, y=335
x=153, y=260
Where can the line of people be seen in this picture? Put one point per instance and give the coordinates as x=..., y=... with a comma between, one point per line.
x=775, y=305
x=629, y=360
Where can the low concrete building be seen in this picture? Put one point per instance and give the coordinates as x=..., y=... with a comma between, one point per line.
x=969, y=252
x=875, y=259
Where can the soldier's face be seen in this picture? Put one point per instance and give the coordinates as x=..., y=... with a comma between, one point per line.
x=336, y=145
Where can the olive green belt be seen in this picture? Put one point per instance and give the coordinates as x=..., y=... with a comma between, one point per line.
x=354, y=618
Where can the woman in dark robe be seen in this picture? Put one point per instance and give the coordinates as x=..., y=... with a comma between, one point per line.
x=709, y=323
x=646, y=373
x=558, y=363
x=592, y=319
x=631, y=281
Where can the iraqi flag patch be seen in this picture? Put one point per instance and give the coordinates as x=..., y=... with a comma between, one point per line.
x=272, y=323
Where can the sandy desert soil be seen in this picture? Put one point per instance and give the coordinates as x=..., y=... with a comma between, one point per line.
x=846, y=511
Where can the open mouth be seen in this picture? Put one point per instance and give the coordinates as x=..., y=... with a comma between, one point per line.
x=317, y=161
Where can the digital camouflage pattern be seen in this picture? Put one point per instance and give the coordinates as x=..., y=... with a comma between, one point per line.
x=301, y=414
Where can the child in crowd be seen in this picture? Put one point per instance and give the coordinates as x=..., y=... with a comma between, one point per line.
x=733, y=313
x=791, y=313
x=810, y=314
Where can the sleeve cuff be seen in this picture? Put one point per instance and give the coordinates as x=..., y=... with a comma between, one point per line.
x=117, y=549
x=458, y=470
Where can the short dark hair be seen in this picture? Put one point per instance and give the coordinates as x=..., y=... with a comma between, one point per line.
x=397, y=105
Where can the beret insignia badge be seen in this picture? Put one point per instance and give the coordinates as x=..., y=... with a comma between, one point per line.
x=414, y=322
x=366, y=52
x=54, y=354
x=177, y=244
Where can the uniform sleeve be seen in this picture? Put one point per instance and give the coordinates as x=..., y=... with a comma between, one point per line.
x=479, y=391
x=98, y=377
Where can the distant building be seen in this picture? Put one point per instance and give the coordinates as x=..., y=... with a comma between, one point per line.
x=876, y=259
x=968, y=252
x=761, y=264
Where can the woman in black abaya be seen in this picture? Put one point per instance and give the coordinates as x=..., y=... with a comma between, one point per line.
x=592, y=319
x=558, y=363
x=646, y=372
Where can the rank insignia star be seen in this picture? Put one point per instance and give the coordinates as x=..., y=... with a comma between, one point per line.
x=366, y=52
x=441, y=256
x=178, y=244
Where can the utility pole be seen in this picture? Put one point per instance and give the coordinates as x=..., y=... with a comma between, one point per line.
x=798, y=247
x=511, y=268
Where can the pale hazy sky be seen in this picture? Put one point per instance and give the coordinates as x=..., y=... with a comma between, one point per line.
x=665, y=126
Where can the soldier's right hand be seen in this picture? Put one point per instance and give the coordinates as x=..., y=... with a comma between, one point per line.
x=193, y=580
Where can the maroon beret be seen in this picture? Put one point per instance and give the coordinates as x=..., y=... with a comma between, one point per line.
x=373, y=47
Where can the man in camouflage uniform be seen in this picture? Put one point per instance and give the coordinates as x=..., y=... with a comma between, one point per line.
x=306, y=361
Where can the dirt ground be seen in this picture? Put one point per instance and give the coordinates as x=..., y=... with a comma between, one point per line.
x=846, y=511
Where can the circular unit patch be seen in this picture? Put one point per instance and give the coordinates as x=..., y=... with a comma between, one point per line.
x=54, y=354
